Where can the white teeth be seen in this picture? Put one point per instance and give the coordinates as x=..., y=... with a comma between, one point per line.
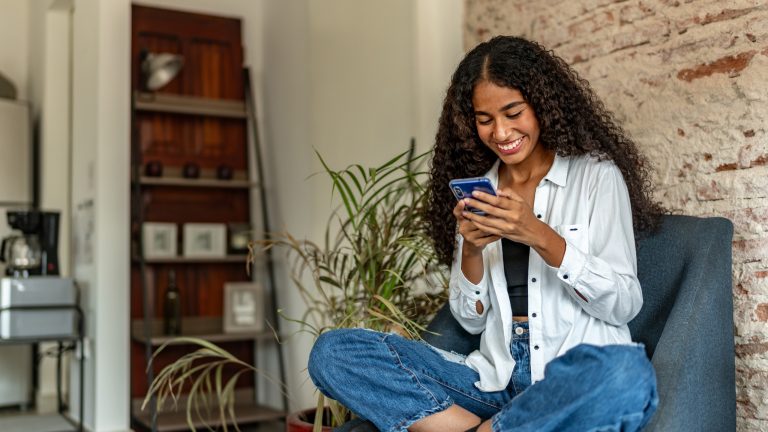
x=511, y=145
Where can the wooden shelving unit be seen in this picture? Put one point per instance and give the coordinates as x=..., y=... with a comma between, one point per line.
x=201, y=182
x=170, y=419
x=210, y=329
x=234, y=259
x=204, y=117
x=180, y=104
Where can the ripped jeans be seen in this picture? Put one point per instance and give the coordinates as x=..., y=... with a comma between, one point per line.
x=394, y=382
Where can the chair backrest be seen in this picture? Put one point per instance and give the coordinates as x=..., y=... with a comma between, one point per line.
x=678, y=255
x=686, y=254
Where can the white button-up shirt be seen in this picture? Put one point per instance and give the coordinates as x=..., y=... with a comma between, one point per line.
x=590, y=298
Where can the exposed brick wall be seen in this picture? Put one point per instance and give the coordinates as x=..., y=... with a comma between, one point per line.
x=689, y=81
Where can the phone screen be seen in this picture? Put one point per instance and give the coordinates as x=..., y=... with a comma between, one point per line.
x=463, y=188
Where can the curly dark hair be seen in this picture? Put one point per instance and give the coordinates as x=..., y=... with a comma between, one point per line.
x=572, y=121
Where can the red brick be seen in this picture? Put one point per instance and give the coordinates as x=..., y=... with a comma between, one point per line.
x=727, y=167
x=726, y=14
x=749, y=349
x=728, y=65
x=761, y=312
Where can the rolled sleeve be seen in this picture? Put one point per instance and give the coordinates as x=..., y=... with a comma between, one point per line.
x=574, y=262
x=464, y=296
x=474, y=293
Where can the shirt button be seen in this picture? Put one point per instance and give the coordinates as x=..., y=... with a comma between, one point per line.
x=564, y=277
x=535, y=347
x=519, y=331
x=478, y=292
x=533, y=279
x=533, y=315
x=538, y=216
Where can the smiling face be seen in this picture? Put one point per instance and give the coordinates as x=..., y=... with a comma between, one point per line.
x=506, y=123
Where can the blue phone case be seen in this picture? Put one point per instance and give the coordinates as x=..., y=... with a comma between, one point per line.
x=463, y=188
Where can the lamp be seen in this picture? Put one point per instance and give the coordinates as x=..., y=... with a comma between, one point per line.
x=158, y=69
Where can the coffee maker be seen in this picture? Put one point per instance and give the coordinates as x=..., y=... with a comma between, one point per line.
x=35, y=252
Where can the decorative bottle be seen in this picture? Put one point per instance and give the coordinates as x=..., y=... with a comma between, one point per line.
x=172, y=309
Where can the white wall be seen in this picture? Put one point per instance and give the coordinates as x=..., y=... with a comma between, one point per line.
x=14, y=53
x=439, y=49
x=337, y=80
x=100, y=199
x=354, y=80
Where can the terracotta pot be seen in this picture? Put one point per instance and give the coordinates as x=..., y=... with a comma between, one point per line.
x=302, y=421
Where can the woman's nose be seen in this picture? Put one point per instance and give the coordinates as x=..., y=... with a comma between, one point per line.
x=500, y=131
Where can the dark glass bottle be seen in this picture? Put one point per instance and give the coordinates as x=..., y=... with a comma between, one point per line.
x=172, y=309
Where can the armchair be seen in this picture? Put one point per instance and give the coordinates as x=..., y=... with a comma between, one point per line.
x=686, y=324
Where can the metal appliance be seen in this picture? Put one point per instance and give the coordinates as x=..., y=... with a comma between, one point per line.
x=37, y=306
x=35, y=251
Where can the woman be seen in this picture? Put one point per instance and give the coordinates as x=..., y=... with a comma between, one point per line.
x=547, y=275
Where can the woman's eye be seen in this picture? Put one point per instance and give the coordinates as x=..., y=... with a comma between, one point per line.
x=483, y=122
x=515, y=115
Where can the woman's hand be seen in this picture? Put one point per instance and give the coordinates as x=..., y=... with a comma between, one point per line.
x=508, y=215
x=475, y=239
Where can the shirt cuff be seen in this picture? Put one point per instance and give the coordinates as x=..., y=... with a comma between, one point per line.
x=473, y=291
x=574, y=262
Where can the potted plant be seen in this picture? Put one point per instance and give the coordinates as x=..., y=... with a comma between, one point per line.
x=375, y=268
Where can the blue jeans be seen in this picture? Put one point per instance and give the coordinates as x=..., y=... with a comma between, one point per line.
x=394, y=382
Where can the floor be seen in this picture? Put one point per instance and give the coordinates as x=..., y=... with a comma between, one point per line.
x=28, y=422
x=44, y=418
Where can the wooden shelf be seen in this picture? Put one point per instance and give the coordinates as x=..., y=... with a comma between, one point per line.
x=207, y=328
x=178, y=104
x=200, y=182
x=168, y=419
x=229, y=259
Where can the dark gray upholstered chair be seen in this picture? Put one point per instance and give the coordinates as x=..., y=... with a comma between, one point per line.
x=686, y=324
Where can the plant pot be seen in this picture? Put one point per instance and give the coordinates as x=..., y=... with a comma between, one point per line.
x=303, y=421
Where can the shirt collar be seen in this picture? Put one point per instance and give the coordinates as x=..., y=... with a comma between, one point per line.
x=557, y=174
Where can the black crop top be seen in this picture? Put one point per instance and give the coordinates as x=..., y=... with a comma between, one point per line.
x=516, y=271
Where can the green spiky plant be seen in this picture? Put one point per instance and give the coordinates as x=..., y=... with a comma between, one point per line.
x=375, y=268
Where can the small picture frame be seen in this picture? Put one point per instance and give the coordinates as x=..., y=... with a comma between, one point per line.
x=243, y=307
x=205, y=240
x=238, y=237
x=159, y=239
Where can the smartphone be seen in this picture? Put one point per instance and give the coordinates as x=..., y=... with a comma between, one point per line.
x=463, y=188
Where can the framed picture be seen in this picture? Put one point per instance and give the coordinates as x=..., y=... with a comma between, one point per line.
x=205, y=240
x=243, y=307
x=238, y=236
x=159, y=239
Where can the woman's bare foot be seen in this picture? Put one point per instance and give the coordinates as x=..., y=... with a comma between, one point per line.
x=453, y=419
